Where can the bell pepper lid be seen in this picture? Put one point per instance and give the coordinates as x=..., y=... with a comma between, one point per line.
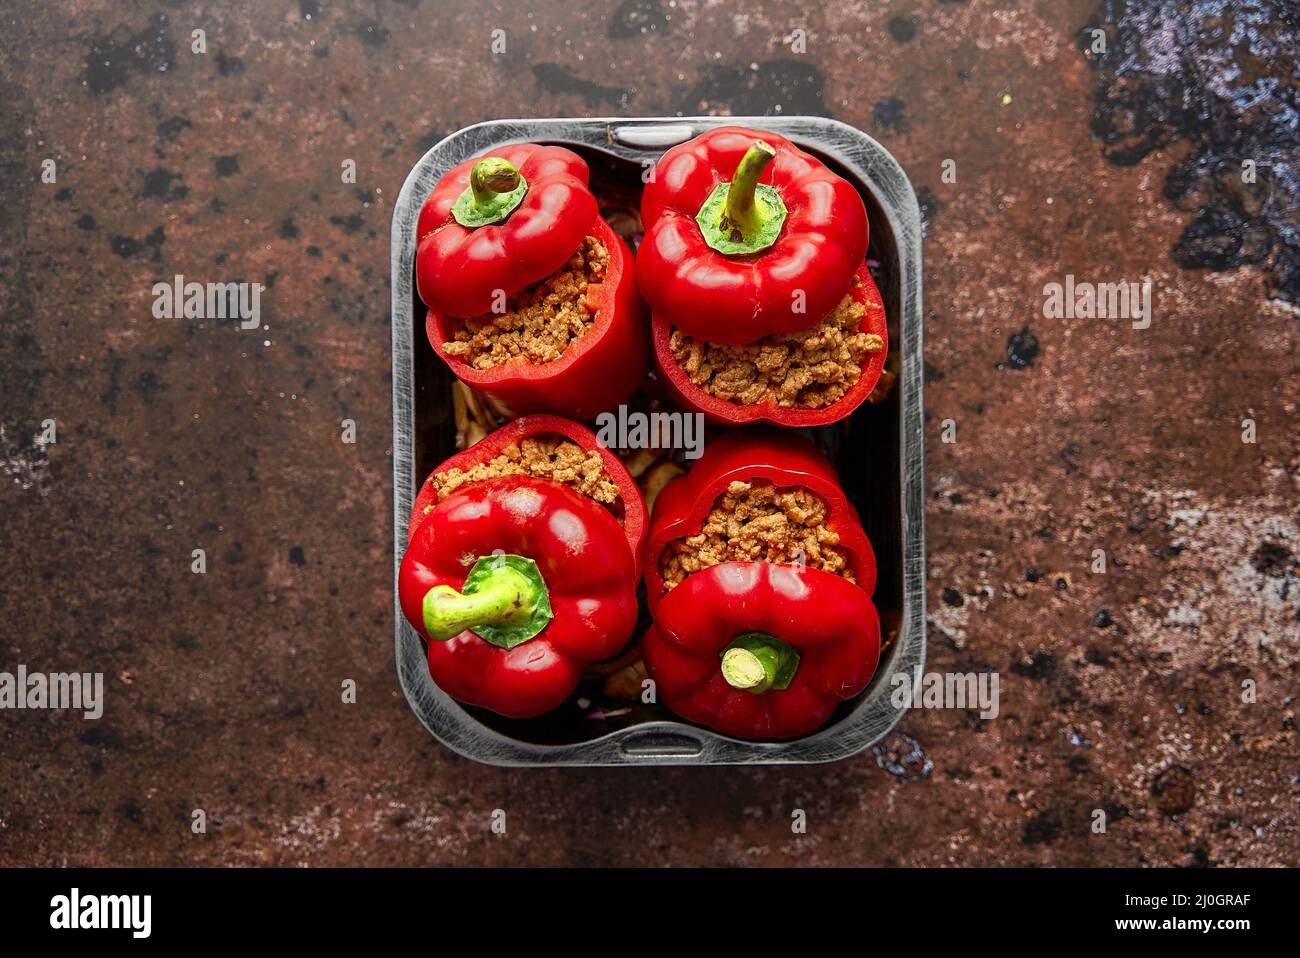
x=805, y=609
x=539, y=167
x=679, y=188
x=769, y=621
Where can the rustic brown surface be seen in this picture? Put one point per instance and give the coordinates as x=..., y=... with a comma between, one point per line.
x=1121, y=691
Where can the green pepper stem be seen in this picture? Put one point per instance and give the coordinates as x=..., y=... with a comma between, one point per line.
x=490, y=176
x=744, y=217
x=741, y=212
x=504, y=597
x=495, y=189
x=756, y=662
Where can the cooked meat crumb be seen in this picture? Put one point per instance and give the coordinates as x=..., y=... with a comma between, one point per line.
x=541, y=321
x=808, y=370
x=542, y=457
x=758, y=523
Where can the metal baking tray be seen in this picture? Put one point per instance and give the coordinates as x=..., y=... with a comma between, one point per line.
x=879, y=452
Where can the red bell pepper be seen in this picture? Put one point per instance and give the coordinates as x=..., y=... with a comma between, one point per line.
x=783, y=459
x=746, y=235
x=688, y=394
x=759, y=649
x=500, y=222
x=756, y=650
x=629, y=509
x=596, y=372
x=516, y=584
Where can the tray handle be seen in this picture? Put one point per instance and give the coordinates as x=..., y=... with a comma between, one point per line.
x=659, y=745
x=657, y=137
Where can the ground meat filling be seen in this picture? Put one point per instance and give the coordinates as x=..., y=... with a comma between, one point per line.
x=544, y=457
x=758, y=523
x=805, y=370
x=541, y=321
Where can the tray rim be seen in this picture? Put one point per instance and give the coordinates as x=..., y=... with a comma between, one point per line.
x=668, y=742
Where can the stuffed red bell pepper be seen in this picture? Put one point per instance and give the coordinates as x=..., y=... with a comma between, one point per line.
x=532, y=296
x=522, y=563
x=753, y=261
x=759, y=577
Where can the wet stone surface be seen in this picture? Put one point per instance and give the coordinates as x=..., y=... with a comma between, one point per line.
x=1107, y=474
